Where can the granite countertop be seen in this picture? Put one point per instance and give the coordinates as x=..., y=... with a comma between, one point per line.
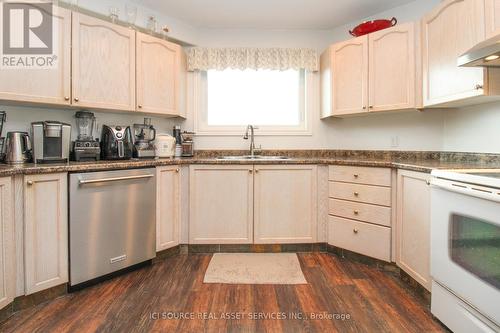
x=414, y=161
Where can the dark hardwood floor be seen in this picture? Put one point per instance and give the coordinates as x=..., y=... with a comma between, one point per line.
x=374, y=300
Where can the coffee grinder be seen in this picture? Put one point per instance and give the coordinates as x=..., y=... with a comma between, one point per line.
x=144, y=137
x=86, y=148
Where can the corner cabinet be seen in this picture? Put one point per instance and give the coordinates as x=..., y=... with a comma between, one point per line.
x=45, y=231
x=285, y=204
x=221, y=204
x=452, y=28
x=160, y=71
x=413, y=225
x=372, y=73
x=7, y=244
x=167, y=207
x=492, y=11
x=43, y=86
x=103, y=64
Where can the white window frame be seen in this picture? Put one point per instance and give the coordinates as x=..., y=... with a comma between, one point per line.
x=200, y=108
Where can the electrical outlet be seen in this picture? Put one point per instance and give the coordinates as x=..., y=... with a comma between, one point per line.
x=395, y=141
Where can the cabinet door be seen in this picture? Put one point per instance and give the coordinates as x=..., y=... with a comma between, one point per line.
x=47, y=86
x=285, y=204
x=103, y=64
x=158, y=74
x=392, y=68
x=413, y=225
x=7, y=244
x=167, y=207
x=221, y=204
x=492, y=12
x=45, y=231
x=449, y=30
x=350, y=76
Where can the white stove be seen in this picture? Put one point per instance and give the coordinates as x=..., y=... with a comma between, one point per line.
x=465, y=249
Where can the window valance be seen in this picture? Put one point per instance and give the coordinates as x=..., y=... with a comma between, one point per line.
x=203, y=59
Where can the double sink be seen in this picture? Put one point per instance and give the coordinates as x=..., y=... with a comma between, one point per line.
x=254, y=158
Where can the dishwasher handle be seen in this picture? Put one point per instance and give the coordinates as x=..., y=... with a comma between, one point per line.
x=112, y=179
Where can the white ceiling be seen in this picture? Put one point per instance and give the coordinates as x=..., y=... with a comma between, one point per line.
x=270, y=14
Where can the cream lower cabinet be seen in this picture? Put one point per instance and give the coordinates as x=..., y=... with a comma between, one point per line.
x=492, y=11
x=103, y=64
x=167, y=207
x=413, y=225
x=47, y=85
x=7, y=244
x=45, y=231
x=285, y=204
x=452, y=28
x=221, y=204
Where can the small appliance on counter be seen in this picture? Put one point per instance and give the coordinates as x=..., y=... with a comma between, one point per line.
x=86, y=148
x=144, y=137
x=116, y=143
x=17, y=148
x=178, y=141
x=187, y=144
x=51, y=141
x=3, y=118
x=165, y=146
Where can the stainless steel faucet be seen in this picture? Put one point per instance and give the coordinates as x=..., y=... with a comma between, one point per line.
x=251, y=129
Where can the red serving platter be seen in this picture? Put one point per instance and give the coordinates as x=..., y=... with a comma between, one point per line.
x=372, y=26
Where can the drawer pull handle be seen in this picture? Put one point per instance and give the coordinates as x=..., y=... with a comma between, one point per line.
x=356, y=194
x=355, y=230
x=356, y=212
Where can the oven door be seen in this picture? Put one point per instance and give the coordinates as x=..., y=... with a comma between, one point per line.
x=465, y=244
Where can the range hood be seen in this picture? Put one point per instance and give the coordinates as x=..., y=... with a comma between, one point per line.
x=484, y=54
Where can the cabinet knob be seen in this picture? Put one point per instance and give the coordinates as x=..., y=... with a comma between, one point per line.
x=364, y=107
x=355, y=230
x=256, y=171
x=250, y=171
x=139, y=106
x=371, y=106
x=76, y=99
x=356, y=212
x=177, y=170
x=29, y=182
x=66, y=98
x=428, y=182
x=356, y=194
x=356, y=175
x=479, y=86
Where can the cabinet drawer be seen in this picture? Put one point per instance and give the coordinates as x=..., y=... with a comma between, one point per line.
x=360, y=211
x=364, y=238
x=361, y=193
x=361, y=175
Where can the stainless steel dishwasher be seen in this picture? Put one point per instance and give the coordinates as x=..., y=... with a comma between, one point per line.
x=111, y=223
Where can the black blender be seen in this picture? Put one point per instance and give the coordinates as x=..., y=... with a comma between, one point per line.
x=86, y=148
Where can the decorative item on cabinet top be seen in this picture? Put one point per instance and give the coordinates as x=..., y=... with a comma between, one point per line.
x=372, y=26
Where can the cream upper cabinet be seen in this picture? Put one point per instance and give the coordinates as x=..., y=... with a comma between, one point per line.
x=347, y=90
x=413, y=225
x=392, y=68
x=167, y=207
x=44, y=86
x=492, y=12
x=452, y=28
x=285, y=204
x=221, y=204
x=103, y=64
x=159, y=74
x=45, y=231
x=7, y=244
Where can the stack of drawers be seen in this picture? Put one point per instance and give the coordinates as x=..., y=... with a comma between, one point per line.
x=360, y=210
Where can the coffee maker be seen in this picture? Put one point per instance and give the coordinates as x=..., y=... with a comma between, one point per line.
x=51, y=141
x=144, y=137
x=86, y=148
x=3, y=118
x=116, y=143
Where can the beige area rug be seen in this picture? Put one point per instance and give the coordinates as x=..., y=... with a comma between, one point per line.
x=254, y=268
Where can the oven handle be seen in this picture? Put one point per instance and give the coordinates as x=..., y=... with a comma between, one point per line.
x=467, y=189
x=114, y=179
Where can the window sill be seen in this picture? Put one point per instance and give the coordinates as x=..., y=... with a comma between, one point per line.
x=258, y=133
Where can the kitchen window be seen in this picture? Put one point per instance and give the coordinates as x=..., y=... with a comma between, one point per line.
x=273, y=100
